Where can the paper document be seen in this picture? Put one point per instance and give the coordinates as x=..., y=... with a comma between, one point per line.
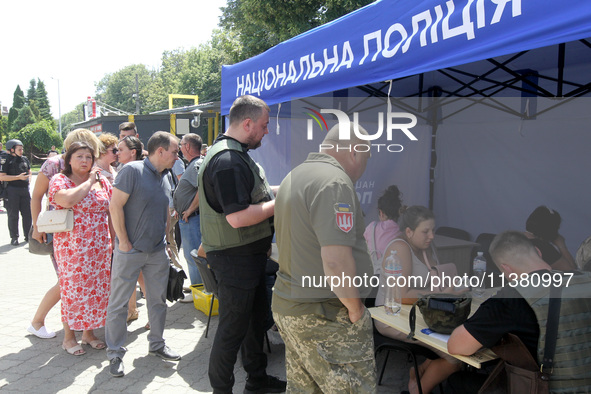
x=441, y=337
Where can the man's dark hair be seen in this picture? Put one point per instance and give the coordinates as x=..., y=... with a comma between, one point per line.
x=75, y=147
x=127, y=126
x=159, y=139
x=194, y=140
x=247, y=107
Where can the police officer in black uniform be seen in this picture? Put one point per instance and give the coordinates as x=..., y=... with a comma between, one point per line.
x=16, y=170
x=3, y=157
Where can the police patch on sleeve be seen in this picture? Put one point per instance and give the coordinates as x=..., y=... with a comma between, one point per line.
x=344, y=217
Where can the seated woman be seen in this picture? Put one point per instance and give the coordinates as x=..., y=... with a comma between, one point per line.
x=542, y=229
x=83, y=255
x=417, y=257
x=378, y=234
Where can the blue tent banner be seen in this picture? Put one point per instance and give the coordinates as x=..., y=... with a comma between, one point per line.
x=391, y=39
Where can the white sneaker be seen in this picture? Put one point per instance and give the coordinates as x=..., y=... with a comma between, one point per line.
x=187, y=298
x=41, y=333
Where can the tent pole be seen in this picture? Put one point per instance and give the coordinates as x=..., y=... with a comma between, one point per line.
x=435, y=93
x=421, y=81
x=561, y=56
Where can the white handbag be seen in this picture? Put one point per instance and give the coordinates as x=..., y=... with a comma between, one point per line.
x=56, y=221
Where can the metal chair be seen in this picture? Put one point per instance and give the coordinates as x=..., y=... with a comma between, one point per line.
x=209, y=281
x=453, y=232
x=211, y=285
x=383, y=343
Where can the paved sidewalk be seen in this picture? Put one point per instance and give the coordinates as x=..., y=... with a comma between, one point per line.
x=29, y=364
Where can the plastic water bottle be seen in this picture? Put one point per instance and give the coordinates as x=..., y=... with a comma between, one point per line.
x=393, y=298
x=478, y=271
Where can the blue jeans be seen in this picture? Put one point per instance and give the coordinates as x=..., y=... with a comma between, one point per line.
x=191, y=239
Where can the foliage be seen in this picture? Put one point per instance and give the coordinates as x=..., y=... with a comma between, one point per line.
x=194, y=71
x=117, y=89
x=42, y=101
x=68, y=119
x=12, y=115
x=37, y=138
x=32, y=92
x=18, y=99
x=35, y=110
x=198, y=70
x=3, y=126
x=25, y=117
x=261, y=25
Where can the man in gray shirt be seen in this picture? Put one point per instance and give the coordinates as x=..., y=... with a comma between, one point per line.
x=186, y=203
x=139, y=211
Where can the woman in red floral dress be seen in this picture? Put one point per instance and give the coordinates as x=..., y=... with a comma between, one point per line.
x=83, y=255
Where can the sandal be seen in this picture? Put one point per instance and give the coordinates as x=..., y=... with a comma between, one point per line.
x=132, y=315
x=147, y=326
x=96, y=344
x=75, y=350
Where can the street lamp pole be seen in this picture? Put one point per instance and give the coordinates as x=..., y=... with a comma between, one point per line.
x=59, y=106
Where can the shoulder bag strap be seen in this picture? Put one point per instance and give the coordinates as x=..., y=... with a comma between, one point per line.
x=551, y=330
x=375, y=246
x=412, y=319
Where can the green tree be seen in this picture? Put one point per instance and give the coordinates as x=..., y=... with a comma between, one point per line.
x=37, y=138
x=25, y=117
x=35, y=110
x=12, y=115
x=195, y=71
x=68, y=119
x=32, y=92
x=263, y=24
x=117, y=89
x=18, y=101
x=3, y=126
x=42, y=101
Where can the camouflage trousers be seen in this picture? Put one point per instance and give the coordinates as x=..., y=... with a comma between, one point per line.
x=325, y=356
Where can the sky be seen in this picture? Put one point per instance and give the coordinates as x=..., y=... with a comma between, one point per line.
x=78, y=42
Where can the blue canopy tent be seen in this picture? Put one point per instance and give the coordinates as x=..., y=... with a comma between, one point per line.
x=479, y=175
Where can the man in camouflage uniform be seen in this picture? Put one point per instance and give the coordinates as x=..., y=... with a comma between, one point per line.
x=522, y=309
x=326, y=329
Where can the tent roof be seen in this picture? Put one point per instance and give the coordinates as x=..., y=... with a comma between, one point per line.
x=391, y=39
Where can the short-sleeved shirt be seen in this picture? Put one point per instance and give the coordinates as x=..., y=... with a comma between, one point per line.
x=179, y=167
x=52, y=166
x=16, y=165
x=146, y=209
x=227, y=184
x=507, y=312
x=316, y=206
x=187, y=187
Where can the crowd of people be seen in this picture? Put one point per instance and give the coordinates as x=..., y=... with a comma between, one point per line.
x=126, y=200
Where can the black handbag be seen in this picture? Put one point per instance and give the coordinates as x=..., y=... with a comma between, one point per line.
x=176, y=277
x=41, y=248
